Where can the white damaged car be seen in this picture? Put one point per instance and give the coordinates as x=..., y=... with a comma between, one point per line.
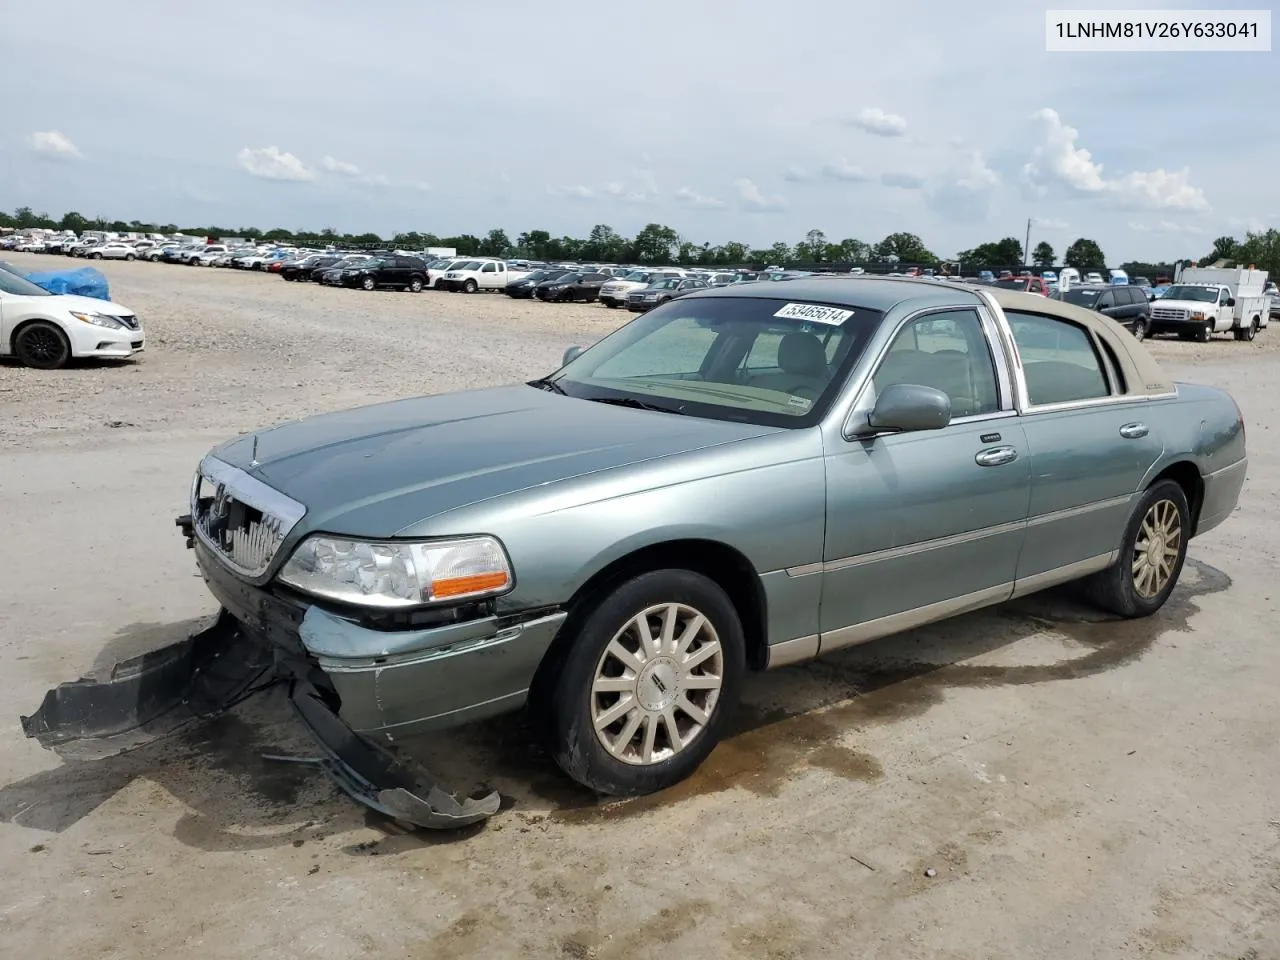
x=45, y=330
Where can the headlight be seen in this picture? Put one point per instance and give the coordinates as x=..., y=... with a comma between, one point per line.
x=1197, y=316
x=98, y=320
x=398, y=573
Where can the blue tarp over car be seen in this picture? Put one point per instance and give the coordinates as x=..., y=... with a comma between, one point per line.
x=85, y=282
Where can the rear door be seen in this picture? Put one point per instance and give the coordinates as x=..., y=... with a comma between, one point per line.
x=1090, y=440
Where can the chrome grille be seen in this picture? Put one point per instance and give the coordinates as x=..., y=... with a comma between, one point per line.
x=1168, y=313
x=242, y=519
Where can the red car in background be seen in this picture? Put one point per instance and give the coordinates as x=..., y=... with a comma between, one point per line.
x=1026, y=284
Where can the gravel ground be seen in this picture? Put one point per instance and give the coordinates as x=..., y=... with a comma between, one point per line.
x=1036, y=783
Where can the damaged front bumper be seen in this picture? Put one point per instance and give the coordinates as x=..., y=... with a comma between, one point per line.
x=348, y=683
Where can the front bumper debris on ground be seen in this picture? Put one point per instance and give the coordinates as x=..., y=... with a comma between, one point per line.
x=156, y=694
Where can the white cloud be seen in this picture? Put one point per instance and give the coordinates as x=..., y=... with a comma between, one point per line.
x=1164, y=226
x=641, y=188
x=375, y=180
x=1058, y=161
x=796, y=174
x=271, y=163
x=842, y=169
x=1248, y=224
x=965, y=190
x=753, y=198
x=1051, y=223
x=701, y=201
x=339, y=166
x=51, y=143
x=578, y=191
x=904, y=181
x=422, y=185
x=882, y=124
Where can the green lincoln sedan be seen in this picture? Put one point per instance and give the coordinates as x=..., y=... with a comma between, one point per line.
x=740, y=479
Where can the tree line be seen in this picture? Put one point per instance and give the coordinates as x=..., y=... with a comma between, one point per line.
x=658, y=243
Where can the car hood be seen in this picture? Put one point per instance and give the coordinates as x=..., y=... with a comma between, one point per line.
x=373, y=471
x=1196, y=306
x=92, y=305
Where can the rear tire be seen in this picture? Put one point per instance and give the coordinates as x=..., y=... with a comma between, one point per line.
x=1151, y=555
x=42, y=346
x=1251, y=331
x=617, y=698
x=415, y=285
x=1140, y=330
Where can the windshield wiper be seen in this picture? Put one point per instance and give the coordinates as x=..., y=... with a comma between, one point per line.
x=549, y=385
x=637, y=404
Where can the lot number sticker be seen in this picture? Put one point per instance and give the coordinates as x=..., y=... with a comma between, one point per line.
x=815, y=313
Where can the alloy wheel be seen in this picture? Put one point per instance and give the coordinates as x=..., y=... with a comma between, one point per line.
x=1156, y=549
x=657, y=684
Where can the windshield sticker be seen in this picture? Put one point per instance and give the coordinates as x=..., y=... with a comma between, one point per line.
x=818, y=314
x=802, y=402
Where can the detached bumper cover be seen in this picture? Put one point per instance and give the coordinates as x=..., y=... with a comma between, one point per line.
x=154, y=695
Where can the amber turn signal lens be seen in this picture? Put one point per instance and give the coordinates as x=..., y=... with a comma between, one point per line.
x=461, y=586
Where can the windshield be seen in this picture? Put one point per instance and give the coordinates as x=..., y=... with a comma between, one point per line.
x=466, y=265
x=1183, y=292
x=637, y=276
x=1080, y=296
x=20, y=286
x=727, y=359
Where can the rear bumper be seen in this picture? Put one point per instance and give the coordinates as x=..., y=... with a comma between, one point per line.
x=1221, y=494
x=395, y=683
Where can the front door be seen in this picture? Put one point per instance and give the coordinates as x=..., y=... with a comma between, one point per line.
x=925, y=524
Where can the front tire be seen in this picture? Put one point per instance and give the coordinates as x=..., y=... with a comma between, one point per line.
x=470, y=286
x=1151, y=555
x=368, y=283
x=649, y=683
x=42, y=346
x=130, y=256
x=1204, y=334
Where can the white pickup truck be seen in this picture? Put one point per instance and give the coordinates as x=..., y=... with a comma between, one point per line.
x=473, y=275
x=1206, y=300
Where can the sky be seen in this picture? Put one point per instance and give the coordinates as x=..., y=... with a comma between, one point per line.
x=751, y=121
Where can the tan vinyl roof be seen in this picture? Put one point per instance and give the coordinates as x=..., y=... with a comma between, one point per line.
x=1141, y=372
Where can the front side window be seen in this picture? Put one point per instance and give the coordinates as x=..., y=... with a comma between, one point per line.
x=727, y=359
x=489, y=268
x=1059, y=360
x=946, y=351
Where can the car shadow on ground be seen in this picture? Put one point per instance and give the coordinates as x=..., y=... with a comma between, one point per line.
x=791, y=720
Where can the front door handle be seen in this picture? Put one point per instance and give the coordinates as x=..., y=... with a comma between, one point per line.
x=1133, y=431
x=995, y=456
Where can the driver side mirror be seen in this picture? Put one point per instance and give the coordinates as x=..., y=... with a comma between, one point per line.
x=570, y=355
x=1231, y=301
x=906, y=407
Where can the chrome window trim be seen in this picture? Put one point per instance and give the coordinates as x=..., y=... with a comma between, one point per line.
x=990, y=331
x=1024, y=405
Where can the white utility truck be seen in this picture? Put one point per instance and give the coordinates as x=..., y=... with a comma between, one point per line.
x=1206, y=300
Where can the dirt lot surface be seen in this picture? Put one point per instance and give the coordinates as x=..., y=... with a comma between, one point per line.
x=1078, y=788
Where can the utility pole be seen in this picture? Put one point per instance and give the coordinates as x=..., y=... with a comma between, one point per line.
x=1026, y=250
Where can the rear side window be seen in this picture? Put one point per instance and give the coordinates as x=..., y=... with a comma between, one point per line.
x=1058, y=359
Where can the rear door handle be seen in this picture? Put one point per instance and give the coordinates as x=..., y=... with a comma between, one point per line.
x=1133, y=431
x=995, y=456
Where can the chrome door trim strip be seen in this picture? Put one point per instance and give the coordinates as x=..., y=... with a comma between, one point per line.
x=1240, y=464
x=792, y=651
x=1059, y=575
x=955, y=540
x=1069, y=512
x=909, y=619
